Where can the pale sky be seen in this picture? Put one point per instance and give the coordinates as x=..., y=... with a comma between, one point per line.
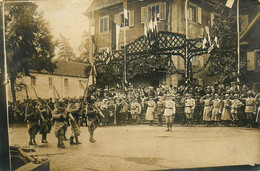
x=66, y=17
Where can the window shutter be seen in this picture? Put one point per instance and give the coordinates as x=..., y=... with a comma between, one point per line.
x=244, y=22
x=117, y=19
x=144, y=14
x=131, y=19
x=251, y=64
x=162, y=10
x=199, y=15
x=212, y=16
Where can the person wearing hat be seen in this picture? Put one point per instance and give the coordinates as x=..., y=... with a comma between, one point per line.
x=74, y=109
x=104, y=109
x=123, y=107
x=111, y=112
x=60, y=116
x=217, y=108
x=94, y=115
x=226, y=115
x=169, y=112
x=257, y=97
x=135, y=110
x=150, y=110
x=160, y=109
x=189, y=106
x=235, y=104
x=250, y=108
x=32, y=118
x=207, y=102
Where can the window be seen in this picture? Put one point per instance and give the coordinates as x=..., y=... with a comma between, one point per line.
x=119, y=19
x=33, y=80
x=153, y=12
x=122, y=20
x=104, y=24
x=50, y=81
x=66, y=82
x=193, y=13
x=81, y=84
x=258, y=58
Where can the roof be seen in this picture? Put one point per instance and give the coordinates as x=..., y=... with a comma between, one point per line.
x=250, y=26
x=68, y=68
x=99, y=4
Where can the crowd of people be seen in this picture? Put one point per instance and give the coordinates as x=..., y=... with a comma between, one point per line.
x=218, y=105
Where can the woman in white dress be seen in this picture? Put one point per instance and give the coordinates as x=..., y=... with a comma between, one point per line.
x=150, y=110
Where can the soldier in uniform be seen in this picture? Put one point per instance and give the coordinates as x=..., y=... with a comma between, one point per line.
x=135, y=110
x=216, y=111
x=189, y=104
x=250, y=108
x=226, y=115
x=33, y=117
x=74, y=110
x=104, y=109
x=46, y=125
x=94, y=115
x=60, y=116
x=169, y=112
x=160, y=109
x=123, y=111
x=111, y=111
x=235, y=104
x=206, y=100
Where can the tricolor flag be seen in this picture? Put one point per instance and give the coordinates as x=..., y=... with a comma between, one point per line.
x=216, y=41
x=230, y=3
x=125, y=9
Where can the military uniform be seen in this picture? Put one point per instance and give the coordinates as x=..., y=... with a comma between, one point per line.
x=32, y=117
x=160, y=110
x=135, y=110
x=169, y=112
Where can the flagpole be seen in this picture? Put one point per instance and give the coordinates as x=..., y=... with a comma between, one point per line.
x=125, y=80
x=186, y=32
x=238, y=43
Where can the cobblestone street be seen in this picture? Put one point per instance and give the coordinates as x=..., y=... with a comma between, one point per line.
x=148, y=148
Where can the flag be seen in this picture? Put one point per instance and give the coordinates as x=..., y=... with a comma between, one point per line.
x=207, y=31
x=204, y=43
x=92, y=30
x=216, y=41
x=117, y=36
x=230, y=3
x=186, y=9
x=125, y=9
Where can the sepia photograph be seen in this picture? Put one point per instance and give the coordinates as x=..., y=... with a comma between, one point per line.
x=129, y=85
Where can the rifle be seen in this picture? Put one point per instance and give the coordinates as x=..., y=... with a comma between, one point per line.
x=85, y=94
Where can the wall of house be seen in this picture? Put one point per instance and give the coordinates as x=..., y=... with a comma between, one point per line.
x=44, y=90
x=174, y=22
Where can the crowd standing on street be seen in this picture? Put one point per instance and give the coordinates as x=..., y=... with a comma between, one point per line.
x=218, y=105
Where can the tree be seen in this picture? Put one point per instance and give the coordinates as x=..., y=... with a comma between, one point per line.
x=29, y=42
x=84, y=47
x=65, y=50
x=223, y=60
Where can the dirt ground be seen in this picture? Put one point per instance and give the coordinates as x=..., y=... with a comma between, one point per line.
x=146, y=147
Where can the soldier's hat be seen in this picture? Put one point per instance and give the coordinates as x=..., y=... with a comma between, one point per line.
x=207, y=95
x=236, y=95
x=226, y=95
